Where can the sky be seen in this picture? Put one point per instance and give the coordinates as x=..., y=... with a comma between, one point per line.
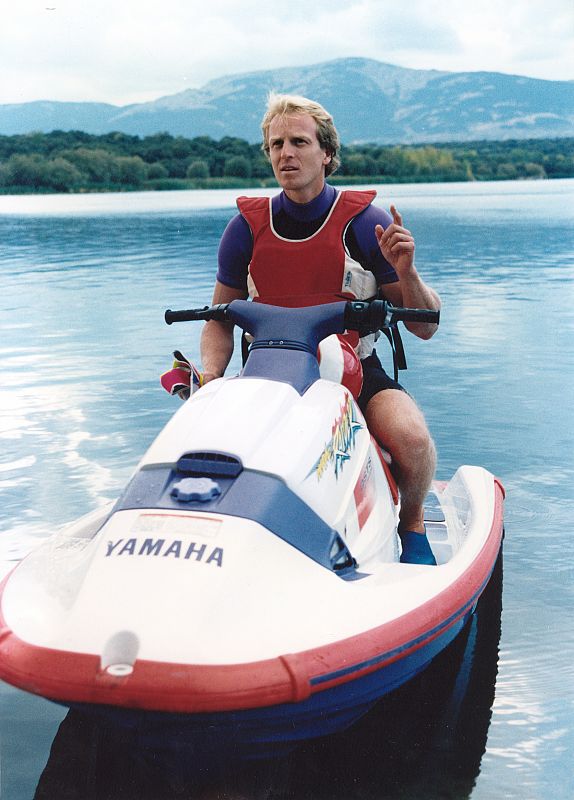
x=131, y=51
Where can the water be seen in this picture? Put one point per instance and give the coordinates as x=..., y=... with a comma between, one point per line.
x=84, y=282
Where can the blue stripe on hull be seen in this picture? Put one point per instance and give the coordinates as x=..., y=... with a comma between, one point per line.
x=418, y=642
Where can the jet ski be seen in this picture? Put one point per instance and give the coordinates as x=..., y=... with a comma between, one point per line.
x=247, y=583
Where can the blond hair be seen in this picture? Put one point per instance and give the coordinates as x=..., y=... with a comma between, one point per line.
x=287, y=104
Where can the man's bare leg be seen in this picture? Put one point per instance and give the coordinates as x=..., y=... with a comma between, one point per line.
x=397, y=423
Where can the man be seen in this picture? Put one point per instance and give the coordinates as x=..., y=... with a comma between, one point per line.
x=313, y=244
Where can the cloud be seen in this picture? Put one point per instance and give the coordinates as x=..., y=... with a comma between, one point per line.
x=136, y=51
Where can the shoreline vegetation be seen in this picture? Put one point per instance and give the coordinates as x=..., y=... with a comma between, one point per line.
x=78, y=162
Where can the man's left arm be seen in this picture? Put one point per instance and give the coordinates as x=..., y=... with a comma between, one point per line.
x=398, y=247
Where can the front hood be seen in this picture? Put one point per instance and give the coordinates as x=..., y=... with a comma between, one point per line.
x=191, y=588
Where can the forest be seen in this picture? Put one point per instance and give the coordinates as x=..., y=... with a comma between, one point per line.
x=74, y=161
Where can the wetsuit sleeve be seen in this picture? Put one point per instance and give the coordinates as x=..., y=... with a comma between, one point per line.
x=234, y=254
x=363, y=246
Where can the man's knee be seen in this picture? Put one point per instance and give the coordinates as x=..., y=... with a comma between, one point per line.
x=395, y=418
x=415, y=437
x=410, y=439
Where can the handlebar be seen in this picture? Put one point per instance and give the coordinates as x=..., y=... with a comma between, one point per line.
x=365, y=317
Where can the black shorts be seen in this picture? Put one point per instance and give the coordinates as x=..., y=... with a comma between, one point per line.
x=375, y=380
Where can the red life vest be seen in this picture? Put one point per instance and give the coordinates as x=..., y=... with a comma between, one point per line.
x=304, y=272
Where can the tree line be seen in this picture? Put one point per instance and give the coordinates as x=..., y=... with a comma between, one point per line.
x=73, y=161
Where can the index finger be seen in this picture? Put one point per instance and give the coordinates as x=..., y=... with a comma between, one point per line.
x=397, y=217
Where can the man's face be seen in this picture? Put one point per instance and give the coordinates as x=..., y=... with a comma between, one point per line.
x=297, y=158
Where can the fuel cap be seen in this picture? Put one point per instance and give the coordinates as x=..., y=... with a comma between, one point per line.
x=199, y=489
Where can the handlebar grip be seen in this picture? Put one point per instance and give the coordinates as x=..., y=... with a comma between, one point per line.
x=417, y=315
x=182, y=316
x=218, y=312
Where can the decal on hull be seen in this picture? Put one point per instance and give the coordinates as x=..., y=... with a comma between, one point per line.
x=338, y=450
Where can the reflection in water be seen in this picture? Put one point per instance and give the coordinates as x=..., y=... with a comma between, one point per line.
x=426, y=740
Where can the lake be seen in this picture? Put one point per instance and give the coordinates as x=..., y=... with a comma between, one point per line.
x=85, y=280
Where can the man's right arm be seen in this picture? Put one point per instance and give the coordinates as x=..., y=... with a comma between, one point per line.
x=233, y=259
x=217, y=337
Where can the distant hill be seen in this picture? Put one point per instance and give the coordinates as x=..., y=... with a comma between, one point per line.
x=371, y=102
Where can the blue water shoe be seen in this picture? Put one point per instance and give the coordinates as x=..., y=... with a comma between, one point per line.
x=416, y=549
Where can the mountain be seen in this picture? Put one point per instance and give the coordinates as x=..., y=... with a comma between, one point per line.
x=370, y=101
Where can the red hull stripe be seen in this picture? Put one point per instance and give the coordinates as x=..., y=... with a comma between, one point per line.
x=405, y=649
x=365, y=494
x=77, y=678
